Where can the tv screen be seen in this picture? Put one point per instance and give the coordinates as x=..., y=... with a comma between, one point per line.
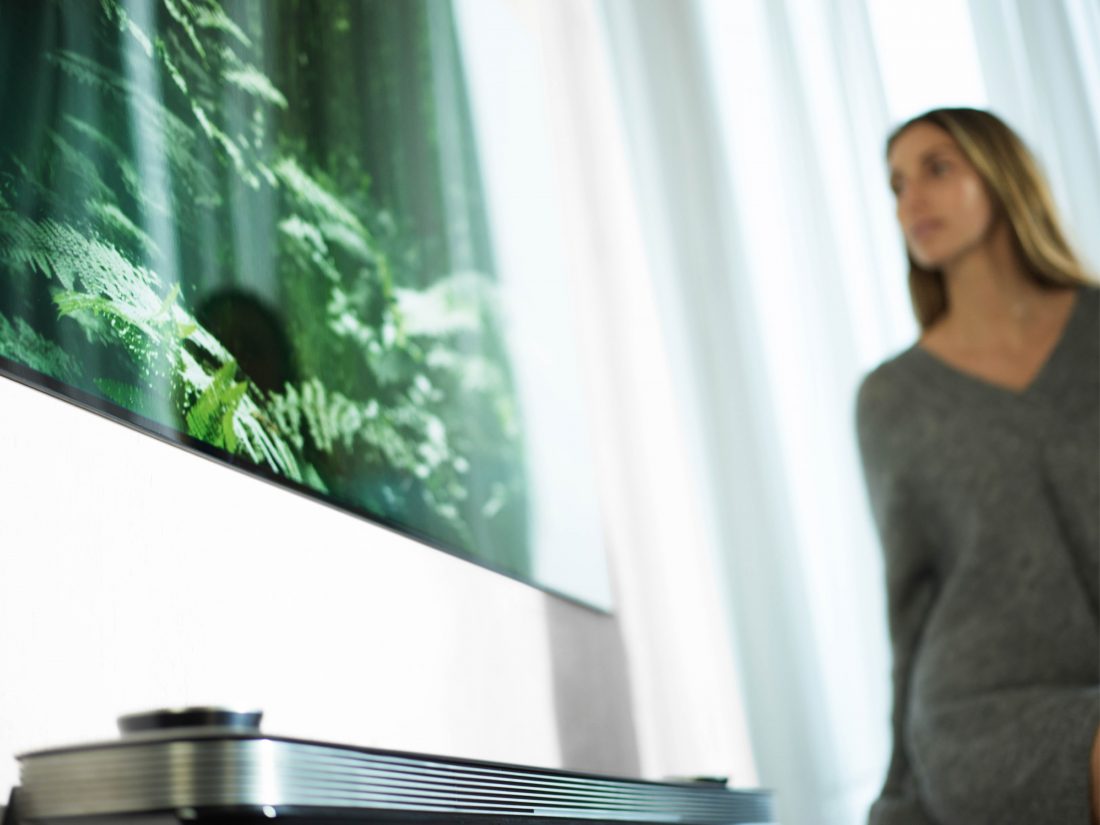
x=284, y=233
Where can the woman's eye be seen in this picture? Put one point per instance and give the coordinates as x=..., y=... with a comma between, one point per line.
x=939, y=167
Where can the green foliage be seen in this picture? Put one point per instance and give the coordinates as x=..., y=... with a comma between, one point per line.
x=95, y=278
x=253, y=82
x=400, y=401
x=113, y=11
x=116, y=224
x=133, y=398
x=182, y=141
x=225, y=412
x=211, y=416
x=19, y=342
x=333, y=220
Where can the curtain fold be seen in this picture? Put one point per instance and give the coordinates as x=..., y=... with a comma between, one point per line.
x=1041, y=66
x=756, y=139
x=736, y=211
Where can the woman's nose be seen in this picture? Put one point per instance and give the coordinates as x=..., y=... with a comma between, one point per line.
x=912, y=197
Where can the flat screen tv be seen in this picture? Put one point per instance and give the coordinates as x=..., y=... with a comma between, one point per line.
x=283, y=233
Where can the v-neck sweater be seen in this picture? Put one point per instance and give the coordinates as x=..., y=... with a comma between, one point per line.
x=987, y=503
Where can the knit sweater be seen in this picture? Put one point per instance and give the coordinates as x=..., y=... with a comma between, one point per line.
x=987, y=503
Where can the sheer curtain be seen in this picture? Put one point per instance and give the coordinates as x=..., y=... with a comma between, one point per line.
x=1041, y=68
x=756, y=130
x=560, y=190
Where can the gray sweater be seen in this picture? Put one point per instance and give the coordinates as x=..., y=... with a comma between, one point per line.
x=987, y=503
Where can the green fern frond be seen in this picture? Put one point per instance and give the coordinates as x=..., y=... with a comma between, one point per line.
x=266, y=173
x=88, y=171
x=213, y=17
x=87, y=71
x=344, y=321
x=262, y=445
x=60, y=251
x=351, y=241
x=117, y=14
x=226, y=415
x=183, y=12
x=308, y=246
x=231, y=401
x=321, y=204
x=404, y=436
x=326, y=417
x=227, y=144
x=110, y=9
x=71, y=303
x=218, y=399
x=197, y=72
x=29, y=182
x=81, y=164
x=201, y=78
x=20, y=343
x=138, y=337
x=252, y=81
x=180, y=140
x=112, y=219
x=174, y=73
x=116, y=86
x=143, y=332
x=47, y=247
x=96, y=279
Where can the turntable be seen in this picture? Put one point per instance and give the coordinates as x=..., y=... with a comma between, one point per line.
x=203, y=766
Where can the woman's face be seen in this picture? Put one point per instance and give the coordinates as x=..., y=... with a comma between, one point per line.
x=942, y=204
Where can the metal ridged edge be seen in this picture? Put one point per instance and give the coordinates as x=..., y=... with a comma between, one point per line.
x=176, y=774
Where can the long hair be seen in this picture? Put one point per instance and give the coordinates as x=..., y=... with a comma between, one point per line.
x=1019, y=194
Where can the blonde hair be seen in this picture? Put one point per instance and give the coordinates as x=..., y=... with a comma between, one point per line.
x=1020, y=195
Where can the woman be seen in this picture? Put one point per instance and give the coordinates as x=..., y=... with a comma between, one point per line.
x=981, y=446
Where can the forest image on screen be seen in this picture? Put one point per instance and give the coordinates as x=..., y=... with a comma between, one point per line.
x=259, y=226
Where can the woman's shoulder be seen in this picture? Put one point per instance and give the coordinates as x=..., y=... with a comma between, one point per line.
x=1089, y=296
x=886, y=403
x=889, y=385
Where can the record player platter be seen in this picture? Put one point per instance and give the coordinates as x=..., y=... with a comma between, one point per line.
x=182, y=766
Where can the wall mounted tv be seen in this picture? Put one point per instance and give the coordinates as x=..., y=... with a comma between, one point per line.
x=283, y=233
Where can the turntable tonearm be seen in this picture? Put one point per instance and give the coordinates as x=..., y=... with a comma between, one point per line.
x=214, y=767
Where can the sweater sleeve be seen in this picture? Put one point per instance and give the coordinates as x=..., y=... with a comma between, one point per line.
x=908, y=582
x=984, y=732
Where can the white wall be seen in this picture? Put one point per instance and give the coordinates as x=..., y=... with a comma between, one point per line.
x=133, y=575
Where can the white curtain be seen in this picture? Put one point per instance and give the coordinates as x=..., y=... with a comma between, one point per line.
x=756, y=132
x=1041, y=67
x=685, y=702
